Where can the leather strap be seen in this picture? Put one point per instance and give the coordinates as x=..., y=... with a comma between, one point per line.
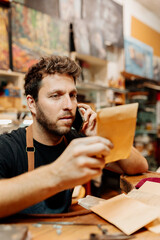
x=30, y=149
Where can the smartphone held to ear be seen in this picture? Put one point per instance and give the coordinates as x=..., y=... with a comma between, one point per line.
x=79, y=120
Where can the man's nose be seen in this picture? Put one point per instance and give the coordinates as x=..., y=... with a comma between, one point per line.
x=68, y=102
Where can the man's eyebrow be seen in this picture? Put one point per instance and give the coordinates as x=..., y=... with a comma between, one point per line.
x=74, y=90
x=61, y=91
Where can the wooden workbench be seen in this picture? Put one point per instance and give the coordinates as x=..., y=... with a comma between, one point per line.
x=72, y=232
x=127, y=183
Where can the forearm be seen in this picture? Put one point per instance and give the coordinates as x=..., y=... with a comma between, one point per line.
x=75, y=166
x=27, y=189
x=134, y=164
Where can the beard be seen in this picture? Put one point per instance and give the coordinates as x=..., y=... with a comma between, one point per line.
x=48, y=125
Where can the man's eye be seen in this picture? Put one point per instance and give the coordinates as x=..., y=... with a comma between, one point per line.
x=55, y=96
x=73, y=95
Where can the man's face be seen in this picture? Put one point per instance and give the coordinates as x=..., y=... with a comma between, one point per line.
x=57, y=102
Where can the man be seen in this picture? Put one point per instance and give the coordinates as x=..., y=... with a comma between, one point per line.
x=51, y=95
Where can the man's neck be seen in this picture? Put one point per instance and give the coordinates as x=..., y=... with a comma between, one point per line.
x=44, y=137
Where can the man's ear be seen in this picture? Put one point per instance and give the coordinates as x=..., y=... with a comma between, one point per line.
x=31, y=104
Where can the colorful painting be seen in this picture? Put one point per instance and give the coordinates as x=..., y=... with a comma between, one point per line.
x=4, y=40
x=35, y=34
x=138, y=58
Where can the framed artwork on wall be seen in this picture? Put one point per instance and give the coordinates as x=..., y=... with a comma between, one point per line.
x=81, y=37
x=138, y=58
x=110, y=15
x=35, y=34
x=96, y=38
x=4, y=39
x=49, y=7
x=70, y=9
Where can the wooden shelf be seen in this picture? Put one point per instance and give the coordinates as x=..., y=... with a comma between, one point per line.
x=133, y=77
x=145, y=131
x=13, y=110
x=142, y=81
x=98, y=87
x=94, y=78
x=89, y=59
x=152, y=86
x=10, y=73
x=14, y=77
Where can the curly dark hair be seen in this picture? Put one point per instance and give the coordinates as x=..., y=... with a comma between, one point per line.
x=47, y=66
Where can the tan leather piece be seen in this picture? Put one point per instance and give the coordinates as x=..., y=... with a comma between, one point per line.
x=29, y=143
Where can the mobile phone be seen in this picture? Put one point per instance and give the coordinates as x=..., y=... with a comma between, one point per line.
x=78, y=121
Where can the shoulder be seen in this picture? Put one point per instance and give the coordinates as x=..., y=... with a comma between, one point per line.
x=16, y=136
x=12, y=147
x=20, y=132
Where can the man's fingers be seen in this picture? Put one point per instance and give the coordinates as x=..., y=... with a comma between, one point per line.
x=87, y=112
x=94, y=172
x=91, y=146
x=90, y=162
x=83, y=105
x=93, y=139
x=90, y=115
x=92, y=150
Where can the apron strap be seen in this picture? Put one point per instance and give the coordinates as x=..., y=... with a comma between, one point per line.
x=30, y=149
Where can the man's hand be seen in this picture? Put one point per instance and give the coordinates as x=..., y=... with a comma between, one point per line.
x=78, y=163
x=89, y=126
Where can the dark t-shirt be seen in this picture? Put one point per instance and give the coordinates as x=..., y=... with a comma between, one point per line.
x=14, y=161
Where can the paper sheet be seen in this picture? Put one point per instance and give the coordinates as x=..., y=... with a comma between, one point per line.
x=129, y=215
x=149, y=193
x=152, y=200
x=76, y=191
x=145, y=197
x=151, y=187
x=118, y=125
x=154, y=226
x=90, y=201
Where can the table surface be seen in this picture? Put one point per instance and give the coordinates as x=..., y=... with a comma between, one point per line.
x=72, y=232
x=127, y=183
x=77, y=232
